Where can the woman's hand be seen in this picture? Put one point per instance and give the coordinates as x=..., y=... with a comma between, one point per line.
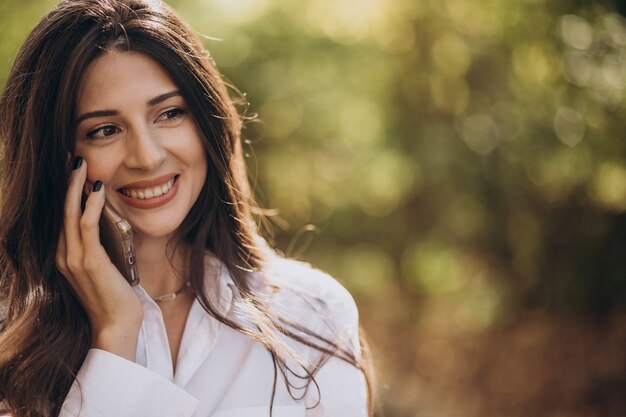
x=113, y=308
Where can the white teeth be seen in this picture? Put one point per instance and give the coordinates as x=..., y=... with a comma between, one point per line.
x=147, y=193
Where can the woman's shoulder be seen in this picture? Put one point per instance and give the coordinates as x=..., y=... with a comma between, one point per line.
x=310, y=297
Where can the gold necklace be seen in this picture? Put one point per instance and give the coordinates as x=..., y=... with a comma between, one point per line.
x=172, y=295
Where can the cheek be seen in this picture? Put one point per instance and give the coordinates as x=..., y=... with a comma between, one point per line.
x=191, y=151
x=201, y=162
x=100, y=165
x=197, y=166
x=201, y=165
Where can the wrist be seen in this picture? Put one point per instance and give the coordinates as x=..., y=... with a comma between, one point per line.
x=121, y=341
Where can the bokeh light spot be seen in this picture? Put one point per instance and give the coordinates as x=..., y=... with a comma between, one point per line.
x=281, y=117
x=367, y=269
x=616, y=27
x=360, y=121
x=480, y=133
x=346, y=21
x=232, y=50
x=434, y=268
x=384, y=180
x=238, y=11
x=576, y=32
x=451, y=55
x=569, y=126
x=535, y=63
x=609, y=186
x=613, y=70
x=450, y=94
x=578, y=68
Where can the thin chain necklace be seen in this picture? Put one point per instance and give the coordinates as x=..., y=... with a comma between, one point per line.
x=172, y=295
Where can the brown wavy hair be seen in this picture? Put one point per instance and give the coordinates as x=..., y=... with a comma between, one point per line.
x=44, y=331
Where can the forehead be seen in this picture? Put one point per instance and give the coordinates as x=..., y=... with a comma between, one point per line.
x=122, y=77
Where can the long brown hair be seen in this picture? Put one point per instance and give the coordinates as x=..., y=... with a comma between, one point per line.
x=44, y=331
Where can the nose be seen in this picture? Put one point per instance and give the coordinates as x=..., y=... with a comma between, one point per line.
x=143, y=150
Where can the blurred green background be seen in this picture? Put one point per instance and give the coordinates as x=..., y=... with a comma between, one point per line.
x=460, y=166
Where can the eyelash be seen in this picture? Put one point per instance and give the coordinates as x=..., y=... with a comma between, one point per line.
x=178, y=112
x=92, y=133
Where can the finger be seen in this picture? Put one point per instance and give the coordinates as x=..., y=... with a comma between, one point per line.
x=61, y=262
x=61, y=255
x=72, y=209
x=90, y=229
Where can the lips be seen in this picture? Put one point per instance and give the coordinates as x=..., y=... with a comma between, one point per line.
x=151, y=193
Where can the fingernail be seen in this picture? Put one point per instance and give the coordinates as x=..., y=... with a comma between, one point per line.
x=96, y=186
x=77, y=162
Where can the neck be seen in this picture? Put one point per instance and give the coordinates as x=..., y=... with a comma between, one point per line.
x=160, y=269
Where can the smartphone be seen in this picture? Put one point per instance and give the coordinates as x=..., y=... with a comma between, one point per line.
x=116, y=236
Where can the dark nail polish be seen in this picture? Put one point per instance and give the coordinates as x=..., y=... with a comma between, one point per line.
x=96, y=186
x=77, y=162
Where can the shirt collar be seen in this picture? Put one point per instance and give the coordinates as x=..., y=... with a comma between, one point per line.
x=221, y=295
x=201, y=330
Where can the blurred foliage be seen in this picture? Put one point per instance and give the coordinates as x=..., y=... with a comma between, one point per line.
x=457, y=164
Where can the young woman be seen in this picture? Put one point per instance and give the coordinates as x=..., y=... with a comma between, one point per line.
x=119, y=95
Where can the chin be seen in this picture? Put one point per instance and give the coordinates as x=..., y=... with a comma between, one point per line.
x=154, y=231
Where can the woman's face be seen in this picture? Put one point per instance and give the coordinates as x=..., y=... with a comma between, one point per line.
x=138, y=138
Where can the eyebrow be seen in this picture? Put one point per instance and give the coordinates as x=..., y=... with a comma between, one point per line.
x=99, y=113
x=103, y=113
x=163, y=97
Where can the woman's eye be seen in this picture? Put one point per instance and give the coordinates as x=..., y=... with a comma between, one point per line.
x=102, y=132
x=172, y=114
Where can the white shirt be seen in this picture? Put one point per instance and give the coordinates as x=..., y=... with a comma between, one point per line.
x=221, y=372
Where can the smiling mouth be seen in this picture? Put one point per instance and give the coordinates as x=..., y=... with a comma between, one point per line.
x=149, y=192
